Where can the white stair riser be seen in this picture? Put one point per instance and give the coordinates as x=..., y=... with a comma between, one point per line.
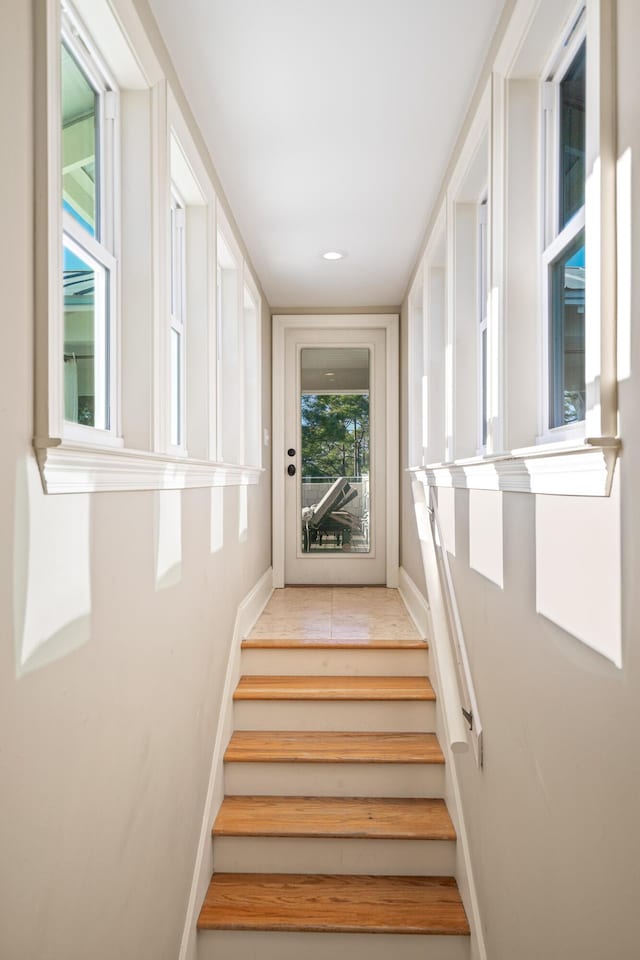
x=260, y=945
x=335, y=779
x=416, y=858
x=336, y=663
x=392, y=716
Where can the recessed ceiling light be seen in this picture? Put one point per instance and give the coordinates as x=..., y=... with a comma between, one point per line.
x=329, y=374
x=333, y=255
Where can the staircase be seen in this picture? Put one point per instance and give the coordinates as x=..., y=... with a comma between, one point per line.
x=333, y=836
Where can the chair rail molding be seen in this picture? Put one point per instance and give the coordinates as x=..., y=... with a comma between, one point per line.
x=69, y=467
x=569, y=468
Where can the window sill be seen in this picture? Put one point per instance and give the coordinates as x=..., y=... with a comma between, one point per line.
x=570, y=468
x=71, y=467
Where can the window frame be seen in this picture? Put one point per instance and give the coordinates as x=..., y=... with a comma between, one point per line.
x=583, y=461
x=254, y=410
x=417, y=414
x=85, y=459
x=557, y=238
x=177, y=302
x=103, y=248
x=227, y=249
x=483, y=322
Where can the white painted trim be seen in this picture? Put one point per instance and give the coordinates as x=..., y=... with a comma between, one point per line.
x=393, y=450
x=416, y=604
x=249, y=610
x=451, y=728
x=566, y=468
x=497, y=308
x=82, y=468
x=465, y=876
x=390, y=323
x=161, y=192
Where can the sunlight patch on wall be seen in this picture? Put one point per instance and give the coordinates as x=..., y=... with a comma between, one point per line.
x=485, y=534
x=578, y=568
x=168, y=537
x=52, y=572
x=243, y=514
x=217, y=519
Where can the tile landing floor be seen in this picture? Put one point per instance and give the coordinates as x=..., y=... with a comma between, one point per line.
x=351, y=614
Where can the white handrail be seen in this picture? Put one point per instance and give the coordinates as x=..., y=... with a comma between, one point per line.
x=457, y=693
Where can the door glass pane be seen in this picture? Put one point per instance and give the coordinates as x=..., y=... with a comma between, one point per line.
x=335, y=450
x=79, y=138
x=572, y=137
x=567, y=401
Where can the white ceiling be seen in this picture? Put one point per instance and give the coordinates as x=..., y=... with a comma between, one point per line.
x=330, y=125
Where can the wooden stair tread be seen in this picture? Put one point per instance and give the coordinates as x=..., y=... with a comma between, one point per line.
x=351, y=643
x=379, y=818
x=278, y=746
x=321, y=903
x=333, y=688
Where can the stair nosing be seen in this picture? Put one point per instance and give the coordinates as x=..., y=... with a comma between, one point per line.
x=347, y=808
x=261, y=755
x=354, y=643
x=345, y=689
x=307, y=913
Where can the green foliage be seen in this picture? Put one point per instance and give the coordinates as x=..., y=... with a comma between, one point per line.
x=335, y=435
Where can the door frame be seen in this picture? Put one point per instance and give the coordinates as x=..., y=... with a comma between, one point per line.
x=388, y=322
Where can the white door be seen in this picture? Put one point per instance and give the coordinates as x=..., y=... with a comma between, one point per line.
x=334, y=456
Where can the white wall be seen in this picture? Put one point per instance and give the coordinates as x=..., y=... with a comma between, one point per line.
x=553, y=816
x=111, y=663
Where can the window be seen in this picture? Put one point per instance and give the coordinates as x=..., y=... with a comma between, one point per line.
x=178, y=300
x=88, y=110
x=417, y=405
x=229, y=326
x=564, y=254
x=483, y=296
x=251, y=339
x=128, y=368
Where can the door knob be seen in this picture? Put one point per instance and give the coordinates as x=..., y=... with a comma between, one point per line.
x=291, y=470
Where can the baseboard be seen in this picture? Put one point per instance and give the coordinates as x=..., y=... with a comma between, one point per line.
x=418, y=610
x=415, y=602
x=249, y=610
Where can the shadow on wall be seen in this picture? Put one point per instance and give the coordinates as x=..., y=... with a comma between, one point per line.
x=52, y=571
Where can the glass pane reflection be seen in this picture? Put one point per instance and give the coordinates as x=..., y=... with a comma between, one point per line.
x=79, y=133
x=568, y=333
x=335, y=450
